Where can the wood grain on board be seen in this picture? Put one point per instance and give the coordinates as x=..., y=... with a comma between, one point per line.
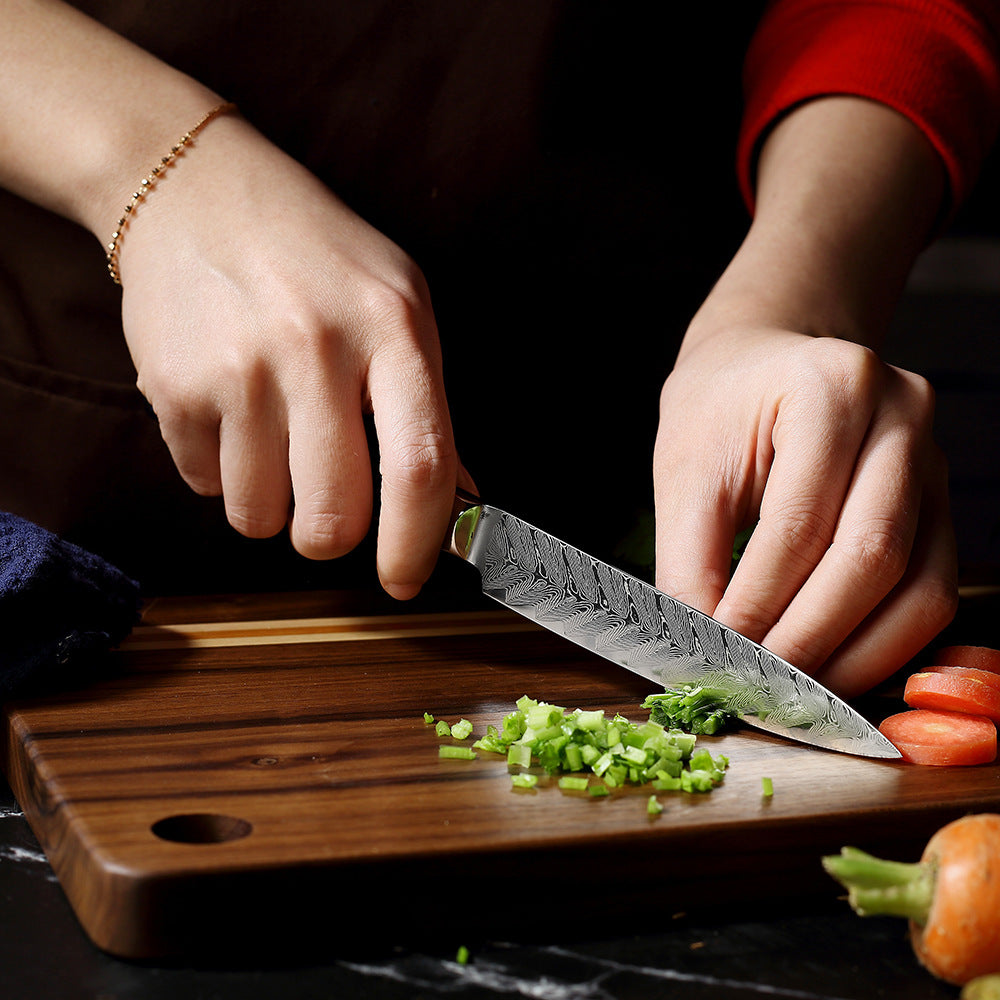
x=245, y=765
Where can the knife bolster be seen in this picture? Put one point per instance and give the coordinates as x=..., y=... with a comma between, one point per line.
x=462, y=525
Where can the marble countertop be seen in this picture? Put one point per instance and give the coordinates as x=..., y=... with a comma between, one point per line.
x=585, y=949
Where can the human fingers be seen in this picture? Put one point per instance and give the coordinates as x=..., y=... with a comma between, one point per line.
x=329, y=466
x=253, y=456
x=193, y=442
x=921, y=605
x=694, y=544
x=315, y=328
x=875, y=533
x=418, y=463
x=188, y=417
x=699, y=472
x=811, y=435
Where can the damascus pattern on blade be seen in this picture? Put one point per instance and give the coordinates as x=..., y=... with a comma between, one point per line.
x=627, y=621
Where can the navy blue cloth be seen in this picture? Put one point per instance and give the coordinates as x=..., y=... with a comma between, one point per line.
x=61, y=606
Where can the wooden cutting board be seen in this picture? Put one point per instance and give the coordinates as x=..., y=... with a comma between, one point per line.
x=256, y=773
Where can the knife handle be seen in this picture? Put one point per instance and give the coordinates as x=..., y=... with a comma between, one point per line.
x=462, y=524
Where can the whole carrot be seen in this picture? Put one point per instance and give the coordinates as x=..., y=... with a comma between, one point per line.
x=951, y=897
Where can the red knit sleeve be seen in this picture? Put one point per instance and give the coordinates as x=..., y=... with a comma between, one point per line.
x=935, y=61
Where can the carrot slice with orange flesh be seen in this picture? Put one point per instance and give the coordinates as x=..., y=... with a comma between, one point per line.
x=938, y=738
x=985, y=676
x=980, y=657
x=952, y=693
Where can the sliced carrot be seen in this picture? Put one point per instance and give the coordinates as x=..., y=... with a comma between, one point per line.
x=980, y=657
x=985, y=676
x=951, y=692
x=923, y=736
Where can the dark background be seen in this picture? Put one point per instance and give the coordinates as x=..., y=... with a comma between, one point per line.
x=947, y=328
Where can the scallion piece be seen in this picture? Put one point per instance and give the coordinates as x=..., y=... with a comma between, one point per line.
x=590, y=721
x=461, y=730
x=572, y=757
x=555, y=740
x=456, y=753
x=690, y=708
x=664, y=783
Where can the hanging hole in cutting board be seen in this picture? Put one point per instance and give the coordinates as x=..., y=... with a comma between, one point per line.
x=201, y=828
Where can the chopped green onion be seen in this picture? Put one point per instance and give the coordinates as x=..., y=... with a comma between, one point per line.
x=524, y=780
x=613, y=777
x=542, y=715
x=462, y=729
x=574, y=782
x=601, y=765
x=590, y=720
x=653, y=806
x=457, y=753
x=573, y=757
x=491, y=741
x=690, y=708
x=766, y=787
x=697, y=781
x=442, y=728
x=664, y=783
x=428, y=718
x=616, y=750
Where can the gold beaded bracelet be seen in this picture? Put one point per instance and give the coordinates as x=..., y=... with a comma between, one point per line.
x=147, y=183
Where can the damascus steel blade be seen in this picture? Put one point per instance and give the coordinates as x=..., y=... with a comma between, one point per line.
x=627, y=621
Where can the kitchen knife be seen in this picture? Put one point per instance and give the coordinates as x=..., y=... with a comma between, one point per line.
x=631, y=623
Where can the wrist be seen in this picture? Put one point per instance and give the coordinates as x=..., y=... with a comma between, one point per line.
x=84, y=113
x=131, y=145
x=156, y=174
x=768, y=290
x=847, y=194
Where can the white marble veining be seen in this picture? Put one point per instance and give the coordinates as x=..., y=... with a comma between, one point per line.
x=449, y=977
x=22, y=855
x=421, y=972
x=19, y=854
